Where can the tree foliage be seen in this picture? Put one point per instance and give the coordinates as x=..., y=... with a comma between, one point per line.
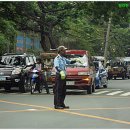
x=77, y=25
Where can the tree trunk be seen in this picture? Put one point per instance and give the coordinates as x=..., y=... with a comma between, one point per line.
x=43, y=41
x=51, y=39
x=43, y=37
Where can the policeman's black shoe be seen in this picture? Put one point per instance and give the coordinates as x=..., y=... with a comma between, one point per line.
x=66, y=107
x=59, y=107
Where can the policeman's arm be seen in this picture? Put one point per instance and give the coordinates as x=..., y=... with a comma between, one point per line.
x=73, y=61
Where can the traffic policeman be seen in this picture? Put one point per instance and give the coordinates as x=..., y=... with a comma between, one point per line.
x=60, y=82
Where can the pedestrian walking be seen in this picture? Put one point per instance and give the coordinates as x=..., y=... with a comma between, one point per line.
x=60, y=82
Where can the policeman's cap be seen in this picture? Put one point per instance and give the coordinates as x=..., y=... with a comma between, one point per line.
x=60, y=48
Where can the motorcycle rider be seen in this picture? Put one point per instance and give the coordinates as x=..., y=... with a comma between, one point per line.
x=40, y=66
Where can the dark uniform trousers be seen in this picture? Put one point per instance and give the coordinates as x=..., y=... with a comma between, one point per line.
x=59, y=91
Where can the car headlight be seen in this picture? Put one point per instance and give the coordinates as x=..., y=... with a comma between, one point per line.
x=16, y=71
x=83, y=73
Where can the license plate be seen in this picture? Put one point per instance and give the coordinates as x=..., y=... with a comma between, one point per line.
x=70, y=83
x=2, y=78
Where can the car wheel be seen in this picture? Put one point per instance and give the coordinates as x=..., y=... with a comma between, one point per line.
x=93, y=87
x=7, y=88
x=89, y=90
x=23, y=85
x=33, y=87
x=105, y=86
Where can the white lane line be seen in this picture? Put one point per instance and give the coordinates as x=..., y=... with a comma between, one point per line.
x=114, y=93
x=32, y=109
x=125, y=94
x=101, y=92
x=114, y=89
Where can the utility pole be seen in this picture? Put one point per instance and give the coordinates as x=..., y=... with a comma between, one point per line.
x=107, y=39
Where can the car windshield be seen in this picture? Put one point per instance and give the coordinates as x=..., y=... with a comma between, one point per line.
x=127, y=62
x=98, y=65
x=12, y=60
x=83, y=59
x=117, y=63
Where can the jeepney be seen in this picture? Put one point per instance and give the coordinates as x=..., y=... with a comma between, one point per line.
x=48, y=60
x=117, y=69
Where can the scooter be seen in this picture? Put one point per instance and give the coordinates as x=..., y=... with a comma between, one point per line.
x=35, y=82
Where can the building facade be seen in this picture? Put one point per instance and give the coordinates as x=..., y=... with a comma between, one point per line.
x=27, y=41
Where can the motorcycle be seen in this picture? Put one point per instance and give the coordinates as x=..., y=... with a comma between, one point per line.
x=35, y=82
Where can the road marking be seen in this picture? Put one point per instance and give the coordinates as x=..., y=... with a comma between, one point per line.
x=101, y=92
x=113, y=93
x=104, y=96
x=113, y=89
x=125, y=94
x=98, y=117
x=80, y=109
x=26, y=110
x=32, y=109
x=68, y=112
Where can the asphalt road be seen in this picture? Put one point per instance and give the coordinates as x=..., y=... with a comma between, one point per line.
x=105, y=109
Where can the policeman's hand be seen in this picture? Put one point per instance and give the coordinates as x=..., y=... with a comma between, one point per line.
x=63, y=75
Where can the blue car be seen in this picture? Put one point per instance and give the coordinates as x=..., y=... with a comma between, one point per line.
x=101, y=78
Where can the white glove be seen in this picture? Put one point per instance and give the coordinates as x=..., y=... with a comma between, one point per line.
x=78, y=60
